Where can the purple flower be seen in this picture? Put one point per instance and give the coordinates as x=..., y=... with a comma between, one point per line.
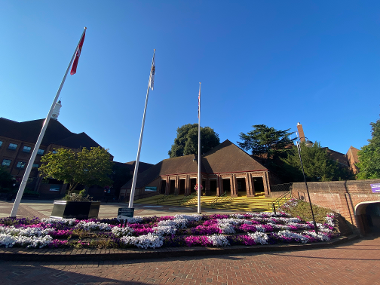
x=247, y=228
x=197, y=240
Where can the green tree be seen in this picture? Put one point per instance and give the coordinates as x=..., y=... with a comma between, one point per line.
x=263, y=140
x=86, y=167
x=318, y=165
x=369, y=155
x=186, y=141
x=6, y=180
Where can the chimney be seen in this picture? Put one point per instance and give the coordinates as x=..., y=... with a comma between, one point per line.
x=300, y=132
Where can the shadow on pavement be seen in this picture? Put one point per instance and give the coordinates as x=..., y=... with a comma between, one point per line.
x=33, y=273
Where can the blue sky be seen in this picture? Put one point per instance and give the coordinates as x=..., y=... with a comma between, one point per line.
x=260, y=62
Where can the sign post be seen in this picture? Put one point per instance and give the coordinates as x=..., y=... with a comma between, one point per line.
x=124, y=213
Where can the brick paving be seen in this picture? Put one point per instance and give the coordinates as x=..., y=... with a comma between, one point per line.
x=356, y=262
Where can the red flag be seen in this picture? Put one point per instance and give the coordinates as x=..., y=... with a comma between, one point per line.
x=77, y=55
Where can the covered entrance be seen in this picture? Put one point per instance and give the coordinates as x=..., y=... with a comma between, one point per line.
x=258, y=185
x=182, y=183
x=368, y=217
x=241, y=186
x=163, y=187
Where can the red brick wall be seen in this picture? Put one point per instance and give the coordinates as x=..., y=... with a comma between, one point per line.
x=340, y=196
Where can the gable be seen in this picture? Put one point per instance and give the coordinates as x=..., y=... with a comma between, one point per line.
x=227, y=157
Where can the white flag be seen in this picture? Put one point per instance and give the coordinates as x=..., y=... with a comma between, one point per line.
x=152, y=72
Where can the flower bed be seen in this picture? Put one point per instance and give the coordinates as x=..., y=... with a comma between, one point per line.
x=169, y=231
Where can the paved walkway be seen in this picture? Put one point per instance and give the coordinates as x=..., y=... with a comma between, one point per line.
x=42, y=209
x=357, y=262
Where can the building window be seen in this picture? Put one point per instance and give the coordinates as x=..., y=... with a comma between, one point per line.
x=35, y=165
x=6, y=162
x=26, y=149
x=55, y=188
x=12, y=146
x=21, y=164
x=40, y=151
x=1, y=143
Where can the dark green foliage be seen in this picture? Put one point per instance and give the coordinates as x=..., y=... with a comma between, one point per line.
x=6, y=180
x=317, y=165
x=369, y=156
x=86, y=167
x=186, y=141
x=263, y=140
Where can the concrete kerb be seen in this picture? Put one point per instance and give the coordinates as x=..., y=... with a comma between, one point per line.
x=55, y=255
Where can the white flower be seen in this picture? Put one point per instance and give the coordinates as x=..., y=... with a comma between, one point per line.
x=123, y=231
x=164, y=230
x=7, y=240
x=259, y=237
x=53, y=221
x=92, y=226
x=319, y=236
x=28, y=231
x=145, y=241
x=194, y=217
x=260, y=228
x=218, y=240
x=295, y=236
x=228, y=225
x=238, y=216
x=134, y=220
x=33, y=242
x=177, y=223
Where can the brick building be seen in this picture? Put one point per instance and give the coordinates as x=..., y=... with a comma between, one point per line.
x=348, y=160
x=17, y=140
x=226, y=168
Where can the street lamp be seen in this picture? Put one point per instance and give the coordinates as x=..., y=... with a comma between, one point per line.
x=307, y=188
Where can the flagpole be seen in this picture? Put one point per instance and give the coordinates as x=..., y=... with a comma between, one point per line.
x=199, y=151
x=135, y=172
x=39, y=140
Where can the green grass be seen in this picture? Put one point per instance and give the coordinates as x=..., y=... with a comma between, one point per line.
x=302, y=210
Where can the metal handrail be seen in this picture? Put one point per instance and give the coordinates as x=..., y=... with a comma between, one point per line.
x=279, y=199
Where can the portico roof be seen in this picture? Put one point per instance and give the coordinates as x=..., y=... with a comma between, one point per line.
x=224, y=158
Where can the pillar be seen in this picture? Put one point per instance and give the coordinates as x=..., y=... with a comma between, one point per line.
x=159, y=186
x=233, y=182
x=249, y=185
x=266, y=184
x=219, y=186
x=187, y=185
x=176, y=187
x=207, y=190
x=167, y=188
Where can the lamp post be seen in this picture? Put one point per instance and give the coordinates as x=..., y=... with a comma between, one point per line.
x=307, y=188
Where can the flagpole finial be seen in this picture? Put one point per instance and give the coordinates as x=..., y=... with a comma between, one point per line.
x=85, y=28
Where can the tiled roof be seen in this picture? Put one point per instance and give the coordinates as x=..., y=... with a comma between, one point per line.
x=224, y=158
x=337, y=156
x=78, y=141
x=227, y=157
x=142, y=165
x=56, y=133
